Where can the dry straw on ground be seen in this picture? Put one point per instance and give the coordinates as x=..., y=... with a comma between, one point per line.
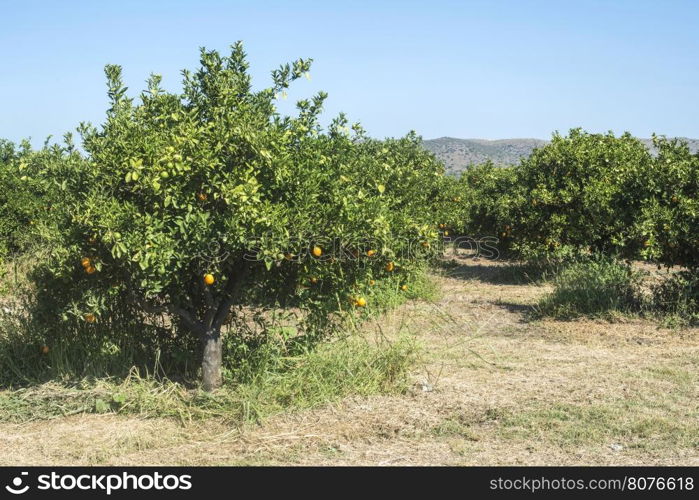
x=491, y=388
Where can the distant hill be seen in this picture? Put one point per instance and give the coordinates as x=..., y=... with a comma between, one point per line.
x=457, y=154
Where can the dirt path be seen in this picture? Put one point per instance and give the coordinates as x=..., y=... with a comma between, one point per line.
x=492, y=389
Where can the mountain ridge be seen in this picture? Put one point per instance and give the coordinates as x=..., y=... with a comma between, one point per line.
x=457, y=154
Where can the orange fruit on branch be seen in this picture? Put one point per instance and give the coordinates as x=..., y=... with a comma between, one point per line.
x=317, y=251
x=209, y=279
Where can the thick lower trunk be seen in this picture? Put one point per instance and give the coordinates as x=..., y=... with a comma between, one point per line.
x=212, y=360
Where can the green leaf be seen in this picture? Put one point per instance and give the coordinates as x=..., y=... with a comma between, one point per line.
x=101, y=406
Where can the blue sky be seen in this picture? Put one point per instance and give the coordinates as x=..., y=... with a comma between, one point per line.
x=487, y=69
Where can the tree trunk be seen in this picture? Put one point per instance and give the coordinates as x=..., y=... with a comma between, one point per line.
x=212, y=360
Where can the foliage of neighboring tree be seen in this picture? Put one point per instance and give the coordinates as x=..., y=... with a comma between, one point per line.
x=669, y=218
x=32, y=186
x=585, y=194
x=489, y=190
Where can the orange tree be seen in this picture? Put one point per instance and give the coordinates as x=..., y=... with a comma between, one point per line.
x=451, y=204
x=492, y=188
x=580, y=193
x=18, y=203
x=29, y=193
x=670, y=210
x=197, y=204
x=8, y=183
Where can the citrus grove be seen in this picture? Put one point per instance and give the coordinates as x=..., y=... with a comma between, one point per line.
x=186, y=214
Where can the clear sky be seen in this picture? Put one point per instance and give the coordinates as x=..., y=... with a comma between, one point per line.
x=485, y=69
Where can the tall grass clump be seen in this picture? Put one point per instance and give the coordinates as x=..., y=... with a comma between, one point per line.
x=676, y=299
x=598, y=287
x=352, y=365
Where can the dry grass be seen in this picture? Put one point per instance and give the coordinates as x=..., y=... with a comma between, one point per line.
x=492, y=388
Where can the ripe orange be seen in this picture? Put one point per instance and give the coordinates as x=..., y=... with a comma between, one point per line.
x=446, y=233
x=372, y=282
x=44, y=349
x=442, y=226
x=425, y=244
x=317, y=251
x=209, y=279
x=90, y=318
x=202, y=196
x=360, y=302
x=370, y=253
x=90, y=269
x=404, y=288
x=314, y=280
x=86, y=262
x=390, y=267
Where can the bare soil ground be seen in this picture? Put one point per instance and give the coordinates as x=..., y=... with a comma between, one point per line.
x=492, y=388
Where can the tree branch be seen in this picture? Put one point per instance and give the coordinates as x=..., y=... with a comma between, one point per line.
x=189, y=321
x=232, y=292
